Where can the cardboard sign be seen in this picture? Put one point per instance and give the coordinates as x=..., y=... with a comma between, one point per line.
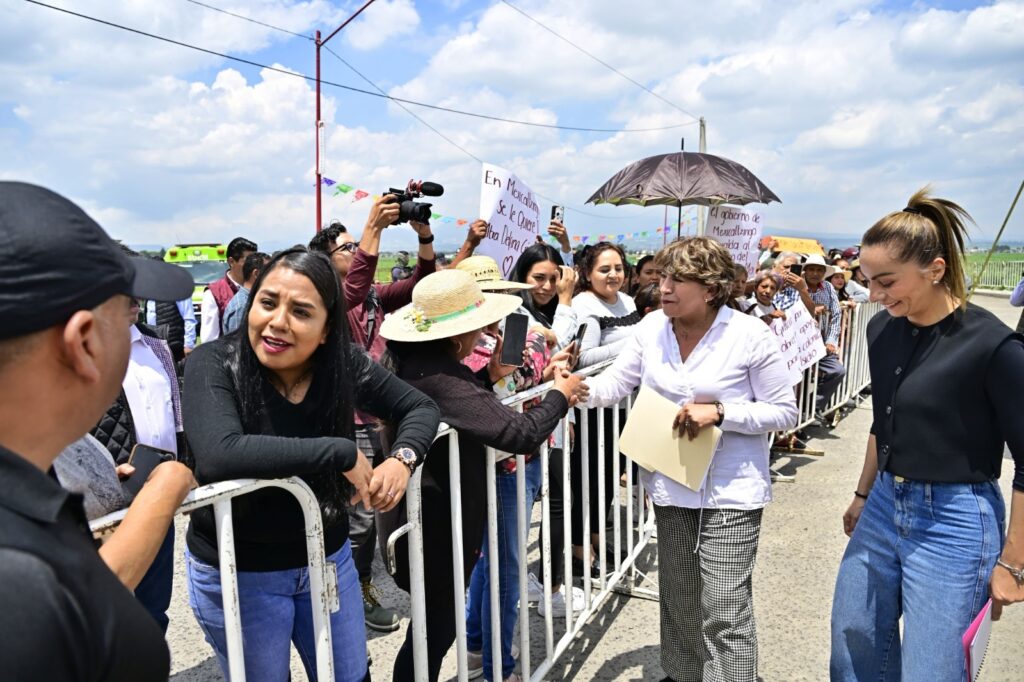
x=799, y=338
x=514, y=216
x=739, y=230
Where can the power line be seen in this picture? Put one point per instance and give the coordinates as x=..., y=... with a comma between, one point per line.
x=408, y=110
x=599, y=60
x=251, y=20
x=296, y=74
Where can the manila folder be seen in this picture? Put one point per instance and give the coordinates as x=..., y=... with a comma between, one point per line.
x=649, y=440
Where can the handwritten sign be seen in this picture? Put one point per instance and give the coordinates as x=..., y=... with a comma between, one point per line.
x=514, y=216
x=739, y=230
x=799, y=338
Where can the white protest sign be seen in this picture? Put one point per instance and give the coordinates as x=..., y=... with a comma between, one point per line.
x=511, y=209
x=799, y=338
x=739, y=230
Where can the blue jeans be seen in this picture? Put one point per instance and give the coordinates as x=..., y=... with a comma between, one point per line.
x=276, y=610
x=923, y=552
x=478, y=602
x=154, y=590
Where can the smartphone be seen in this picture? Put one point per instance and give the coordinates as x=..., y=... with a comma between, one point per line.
x=144, y=458
x=796, y=268
x=558, y=213
x=514, y=341
x=577, y=342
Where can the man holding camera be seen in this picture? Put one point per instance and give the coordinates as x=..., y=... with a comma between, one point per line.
x=368, y=303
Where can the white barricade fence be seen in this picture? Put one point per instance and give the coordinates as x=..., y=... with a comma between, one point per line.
x=596, y=591
x=323, y=582
x=998, y=274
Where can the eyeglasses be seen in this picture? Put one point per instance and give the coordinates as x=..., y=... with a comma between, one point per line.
x=347, y=247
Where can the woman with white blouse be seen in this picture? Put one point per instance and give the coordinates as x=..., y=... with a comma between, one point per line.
x=722, y=368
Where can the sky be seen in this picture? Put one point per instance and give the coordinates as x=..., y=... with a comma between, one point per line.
x=842, y=107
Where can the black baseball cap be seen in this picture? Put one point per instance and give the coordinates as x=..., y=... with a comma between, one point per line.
x=55, y=260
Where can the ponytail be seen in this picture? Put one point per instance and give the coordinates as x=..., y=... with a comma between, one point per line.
x=928, y=228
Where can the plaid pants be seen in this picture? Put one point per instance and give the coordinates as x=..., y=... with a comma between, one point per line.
x=707, y=611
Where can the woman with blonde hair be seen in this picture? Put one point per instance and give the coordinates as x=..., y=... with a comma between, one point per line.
x=721, y=368
x=926, y=522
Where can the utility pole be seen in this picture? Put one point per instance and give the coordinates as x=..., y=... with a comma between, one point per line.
x=319, y=122
x=701, y=215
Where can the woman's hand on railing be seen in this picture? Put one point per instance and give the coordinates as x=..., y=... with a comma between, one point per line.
x=572, y=386
x=390, y=479
x=360, y=476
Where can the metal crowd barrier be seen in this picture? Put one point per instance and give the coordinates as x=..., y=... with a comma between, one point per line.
x=853, y=352
x=596, y=591
x=323, y=582
x=998, y=274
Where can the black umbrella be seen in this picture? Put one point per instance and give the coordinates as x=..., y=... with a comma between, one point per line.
x=683, y=179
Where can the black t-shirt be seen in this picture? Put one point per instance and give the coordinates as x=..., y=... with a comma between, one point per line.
x=947, y=397
x=269, y=526
x=63, y=614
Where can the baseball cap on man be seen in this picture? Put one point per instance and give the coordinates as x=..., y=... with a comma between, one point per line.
x=55, y=260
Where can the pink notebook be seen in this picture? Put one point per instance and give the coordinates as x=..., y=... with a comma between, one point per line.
x=975, y=641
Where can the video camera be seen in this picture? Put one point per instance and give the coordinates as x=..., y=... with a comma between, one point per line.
x=409, y=209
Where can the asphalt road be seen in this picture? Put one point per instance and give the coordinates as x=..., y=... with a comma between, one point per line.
x=801, y=545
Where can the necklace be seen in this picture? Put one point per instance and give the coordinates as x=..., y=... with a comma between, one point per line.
x=284, y=388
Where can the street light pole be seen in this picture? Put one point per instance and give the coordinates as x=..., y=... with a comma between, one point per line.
x=319, y=123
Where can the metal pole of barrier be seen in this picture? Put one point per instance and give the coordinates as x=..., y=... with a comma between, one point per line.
x=492, y=563
x=545, y=546
x=616, y=474
x=455, y=484
x=417, y=576
x=523, y=528
x=629, y=505
x=567, y=503
x=585, y=494
x=602, y=502
x=229, y=588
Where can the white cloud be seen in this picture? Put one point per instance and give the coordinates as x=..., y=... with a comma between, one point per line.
x=385, y=21
x=841, y=108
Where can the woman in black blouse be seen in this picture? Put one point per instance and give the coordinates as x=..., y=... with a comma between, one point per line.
x=926, y=524
x=427, y=341
x=275, y=399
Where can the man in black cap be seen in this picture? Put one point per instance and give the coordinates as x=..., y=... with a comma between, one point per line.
x=66, y=294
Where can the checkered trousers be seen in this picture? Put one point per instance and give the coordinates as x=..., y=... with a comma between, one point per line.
x=707, y=611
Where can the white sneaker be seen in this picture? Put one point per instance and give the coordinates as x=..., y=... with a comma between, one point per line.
x=534, y=589
x=475, y=662
x=558, y=603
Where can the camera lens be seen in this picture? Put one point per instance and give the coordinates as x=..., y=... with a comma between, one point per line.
x=414, y=210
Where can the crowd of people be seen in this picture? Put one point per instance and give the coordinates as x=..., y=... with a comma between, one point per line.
x=306, y=367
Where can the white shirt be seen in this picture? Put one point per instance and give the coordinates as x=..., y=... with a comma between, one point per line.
x=209, y=315
x=737, y=363
x=148, y=389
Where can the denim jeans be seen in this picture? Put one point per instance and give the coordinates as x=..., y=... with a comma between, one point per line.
x=478, y=601
x=276, y=610
x=154, y=590
x=923, y=552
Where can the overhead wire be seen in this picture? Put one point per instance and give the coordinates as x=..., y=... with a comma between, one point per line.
x=297, y=74
x=404, y=108
x=599, y=60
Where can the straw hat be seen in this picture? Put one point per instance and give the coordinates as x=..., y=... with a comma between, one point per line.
x=445, y=304
x=484, y=270
x=834, y=270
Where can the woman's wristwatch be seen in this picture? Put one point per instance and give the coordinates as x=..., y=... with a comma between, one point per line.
x=721, y=412
x=1017, y=573
x=406, y=456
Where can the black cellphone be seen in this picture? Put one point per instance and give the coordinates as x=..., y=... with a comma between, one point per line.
x=577, y=340
x=144, y=458
x=796, y=268
x=558, y=213
x=514, y=340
